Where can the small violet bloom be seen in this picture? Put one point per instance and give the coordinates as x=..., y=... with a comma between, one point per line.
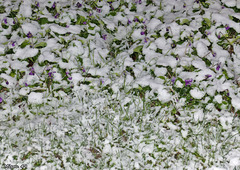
x=69, y=78
x=214, y=54
x=99, y=10
x=104, y=36
x=29, y=35
x=129, y=22
x=54, y=5
x=218, y=66
x=227, y=27
x=1, y=100
x=207, y=76
x=142, y=32
x=184, y=5
x=5, y=20
x=136, y=19
x=173, y=80
x=37, y=4
x=167, y=29
x=57, y=15
x=84, y=23
x=78, y=5
x=51, y=74
x=145, y=39
x=173, y=45
x=26, y=84
x=32, y=72
x=188, y=82
x=7, y=82
x=13, y=43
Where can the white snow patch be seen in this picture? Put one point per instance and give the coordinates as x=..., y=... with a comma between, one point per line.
x=198, y=115
x=202, y=48
x=25, y=53
x=35, y=98
x=184, y=133
x=218, y=98
x=196, y=93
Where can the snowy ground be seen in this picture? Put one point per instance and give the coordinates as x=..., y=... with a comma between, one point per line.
x=125, y=84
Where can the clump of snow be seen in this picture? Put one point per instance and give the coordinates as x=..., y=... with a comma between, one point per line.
x=196, y=93
x=35, y=98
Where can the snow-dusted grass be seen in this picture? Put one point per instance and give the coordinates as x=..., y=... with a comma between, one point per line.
x=126, y=84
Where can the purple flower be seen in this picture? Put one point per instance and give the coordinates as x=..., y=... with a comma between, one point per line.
x=197, y=1
x=145, y=39
x=69, y=78
x=99, y=10
x=26, y=84
x=227, y=27
x=84, y=22
x=188, y=82
x=5, y=20
x=219, y=36
x=90, y=14
x=67, y=72
x=7, y=82
x=29, y=35
x=32, y=71
x=173, y=80
x=214, y=54
x=218, y=66
x=184, y=5
x=51, y=74
x=54, y=5
x=129, y=22
x=167, y=29
x=14, y=22
x=207, y=76
x=1, y=100
x=142, y=32
x=13, y=43
x=79, y=5
x=173, y=45
x=57, y=15
x=37, y=4
x=223, y=7
x=104, y=36
x=136, y=19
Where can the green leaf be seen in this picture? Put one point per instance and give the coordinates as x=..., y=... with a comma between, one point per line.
x=80, y=19
x=24, y=44
x=2, y=9
x=138, y=49
x=185, y=22
x=208, y=22
x=41, y=45
x=43, y=21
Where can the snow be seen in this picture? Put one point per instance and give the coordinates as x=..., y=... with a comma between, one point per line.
x=196, y=93
x=120, y=123
x=25, y=53
x=35, y=98
x=202, y=49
